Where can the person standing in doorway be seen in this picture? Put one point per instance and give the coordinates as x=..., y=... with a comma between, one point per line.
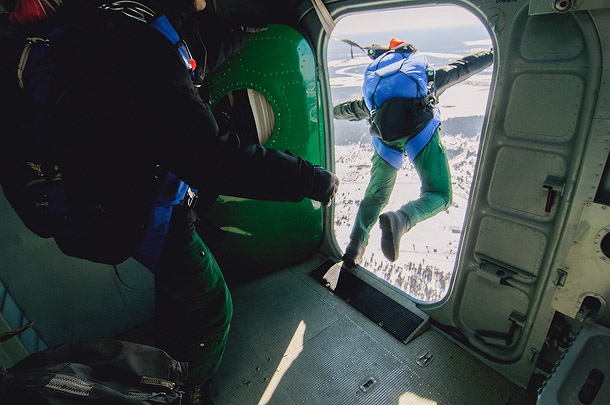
x=400, y=101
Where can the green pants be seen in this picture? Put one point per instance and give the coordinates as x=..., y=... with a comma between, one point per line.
x=435, y=195
x=193, y=307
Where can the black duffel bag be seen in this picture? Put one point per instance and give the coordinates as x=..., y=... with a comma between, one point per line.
x=94, y=372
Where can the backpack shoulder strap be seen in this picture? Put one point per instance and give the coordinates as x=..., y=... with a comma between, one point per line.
x=163, y=25
x=390, y=69
x=145, y=14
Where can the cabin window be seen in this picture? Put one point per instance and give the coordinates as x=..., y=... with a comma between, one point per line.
x=247, y=112
x=428, y=251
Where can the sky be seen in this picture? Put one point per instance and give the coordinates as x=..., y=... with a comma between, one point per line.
x=412, y=18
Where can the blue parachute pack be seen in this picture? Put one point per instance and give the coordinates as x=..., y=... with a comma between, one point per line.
x=36, y=188
x=396, y=74
x=399, y=91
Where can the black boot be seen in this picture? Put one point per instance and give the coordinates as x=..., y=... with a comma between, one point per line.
x=354, y=252
x=393, y=225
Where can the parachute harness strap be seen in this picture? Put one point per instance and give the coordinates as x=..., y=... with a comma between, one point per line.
x=145, y=14
x=25, y=55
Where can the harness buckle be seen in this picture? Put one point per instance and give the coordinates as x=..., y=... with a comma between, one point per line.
x=190, y=198
x=430, y=100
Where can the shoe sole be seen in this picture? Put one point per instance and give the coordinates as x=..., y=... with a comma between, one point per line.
x=389, y=247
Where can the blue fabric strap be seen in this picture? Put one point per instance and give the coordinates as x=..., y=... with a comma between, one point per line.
x=163, y=25
x=172, y=192
x=392, y=156
x=419, y=141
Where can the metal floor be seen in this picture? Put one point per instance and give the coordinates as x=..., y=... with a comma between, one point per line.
x=293, y=341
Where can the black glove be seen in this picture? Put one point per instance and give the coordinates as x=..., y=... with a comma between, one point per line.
x=324, y=187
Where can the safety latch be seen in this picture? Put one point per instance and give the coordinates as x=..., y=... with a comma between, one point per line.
x=553, y=185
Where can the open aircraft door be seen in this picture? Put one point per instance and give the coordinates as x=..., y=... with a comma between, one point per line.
x=533, y=231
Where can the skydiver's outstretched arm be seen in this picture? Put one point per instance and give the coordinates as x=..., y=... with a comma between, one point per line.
x=354, y=110
x=461, y=69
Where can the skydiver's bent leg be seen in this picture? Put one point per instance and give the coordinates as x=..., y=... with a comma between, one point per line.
x=436, y=193
x=193, y=306
x=376, y=197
